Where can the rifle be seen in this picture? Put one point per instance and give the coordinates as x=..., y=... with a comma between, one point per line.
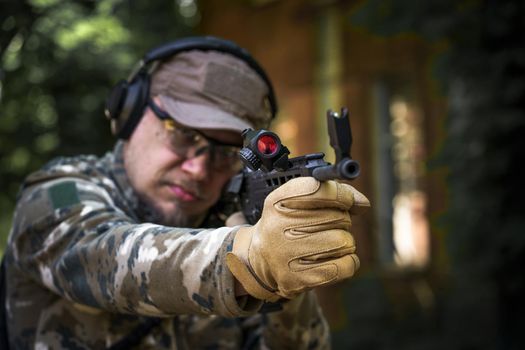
x=267, y=166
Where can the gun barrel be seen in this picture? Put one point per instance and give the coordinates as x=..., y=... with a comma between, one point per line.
x=346, y=169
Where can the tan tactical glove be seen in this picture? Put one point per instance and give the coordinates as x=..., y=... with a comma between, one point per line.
x=302, y=240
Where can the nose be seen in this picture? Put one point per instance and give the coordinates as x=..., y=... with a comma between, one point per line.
x=197, y=166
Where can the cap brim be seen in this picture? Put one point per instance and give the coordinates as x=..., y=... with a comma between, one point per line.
x=199, y=116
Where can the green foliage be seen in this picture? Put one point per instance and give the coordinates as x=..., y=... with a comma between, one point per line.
x=58, y=61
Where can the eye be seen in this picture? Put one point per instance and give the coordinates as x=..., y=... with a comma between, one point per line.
x=188, y=135
x=229, y=152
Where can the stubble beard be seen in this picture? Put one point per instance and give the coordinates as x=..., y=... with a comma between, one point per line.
x=175, y=218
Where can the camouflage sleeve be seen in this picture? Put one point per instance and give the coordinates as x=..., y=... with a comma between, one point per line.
x=70, y=237
x=300, y=325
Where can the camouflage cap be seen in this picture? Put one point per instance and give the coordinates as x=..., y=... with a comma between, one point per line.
x=212, y=90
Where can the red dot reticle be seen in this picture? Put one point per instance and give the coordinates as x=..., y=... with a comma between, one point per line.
x=267, y=144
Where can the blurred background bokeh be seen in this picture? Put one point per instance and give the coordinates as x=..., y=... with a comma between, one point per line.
x=436, y=92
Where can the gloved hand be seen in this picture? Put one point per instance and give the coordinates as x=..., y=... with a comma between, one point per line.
x=301, y=241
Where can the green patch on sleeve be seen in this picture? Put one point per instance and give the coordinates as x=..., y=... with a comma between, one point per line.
x=63, y=195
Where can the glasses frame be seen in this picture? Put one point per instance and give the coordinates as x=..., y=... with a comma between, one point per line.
x=212, y=143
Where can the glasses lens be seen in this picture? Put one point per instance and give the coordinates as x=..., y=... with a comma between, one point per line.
x=226, y=157
x=181, y=139
x=190, y=143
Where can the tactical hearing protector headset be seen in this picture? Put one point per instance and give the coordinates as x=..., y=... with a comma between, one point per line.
x=128, y=98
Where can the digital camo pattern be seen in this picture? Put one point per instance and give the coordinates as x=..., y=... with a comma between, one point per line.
x=85, y=269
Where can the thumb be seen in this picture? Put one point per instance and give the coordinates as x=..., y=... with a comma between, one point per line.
x=361, y=203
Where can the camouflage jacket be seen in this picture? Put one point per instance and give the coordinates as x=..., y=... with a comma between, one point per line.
x=86, y=269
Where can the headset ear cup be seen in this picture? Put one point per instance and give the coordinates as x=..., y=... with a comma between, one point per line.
x=114, y=104
x=133, y=106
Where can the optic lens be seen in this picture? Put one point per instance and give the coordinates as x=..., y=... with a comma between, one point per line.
x=267, y=145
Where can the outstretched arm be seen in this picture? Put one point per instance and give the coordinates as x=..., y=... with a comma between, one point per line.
x=70, y=237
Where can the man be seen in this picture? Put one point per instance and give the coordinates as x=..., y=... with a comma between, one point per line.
x=130, y=250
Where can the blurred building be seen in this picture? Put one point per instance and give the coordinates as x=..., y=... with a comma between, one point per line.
x=318, y=59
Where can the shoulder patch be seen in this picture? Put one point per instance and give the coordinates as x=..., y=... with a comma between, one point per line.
x=63, y=194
